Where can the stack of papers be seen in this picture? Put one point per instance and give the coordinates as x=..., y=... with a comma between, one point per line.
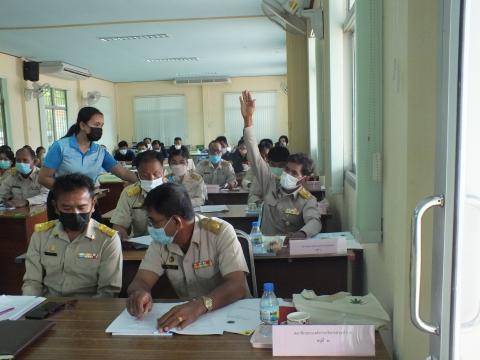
x=141, y=242
x=211, y=208
x=241, y=317
x=14, y=307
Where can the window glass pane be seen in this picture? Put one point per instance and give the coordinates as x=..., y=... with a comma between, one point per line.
x=350, y=3
x=60, y=96
x=47, y=97
x=60, y=123
x=49, y=126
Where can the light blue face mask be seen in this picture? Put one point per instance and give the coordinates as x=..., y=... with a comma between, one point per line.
x=160, y=236
x=5, y=164
x=276, y=171
x=215, y=159
x=23, y=168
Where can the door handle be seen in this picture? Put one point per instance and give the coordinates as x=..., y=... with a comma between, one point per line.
x=416, y=262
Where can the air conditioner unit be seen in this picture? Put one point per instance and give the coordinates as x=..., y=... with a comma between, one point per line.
x=203, y=81
x=64, y=70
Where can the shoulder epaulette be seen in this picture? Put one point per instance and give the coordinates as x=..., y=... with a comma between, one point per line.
x=304, y=193
x=211, y=225
x=12, y=171
x=45, y=226
x=195, y=176
x=106, y=230
x=204, y=162
x=134, y=190
x=226, y=163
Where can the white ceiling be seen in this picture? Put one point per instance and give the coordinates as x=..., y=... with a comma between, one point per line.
x=230, y=37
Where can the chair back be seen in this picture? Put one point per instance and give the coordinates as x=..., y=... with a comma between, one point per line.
x=247, y=249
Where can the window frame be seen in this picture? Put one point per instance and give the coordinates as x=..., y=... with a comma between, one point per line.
x=3, y=113
x=55, y=107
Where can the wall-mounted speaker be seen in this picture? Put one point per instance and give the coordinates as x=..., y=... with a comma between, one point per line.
x=30, y=70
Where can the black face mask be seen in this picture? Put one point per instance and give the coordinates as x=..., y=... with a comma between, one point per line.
x=95, y=134
x=73, y=221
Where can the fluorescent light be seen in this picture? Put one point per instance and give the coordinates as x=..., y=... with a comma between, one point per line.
x=134, y=37
x=174, y=59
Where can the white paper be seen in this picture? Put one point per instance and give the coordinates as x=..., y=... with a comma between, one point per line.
x=125, y=324
x=318, y=246
x=144, y=240
x=213, y=208
x=22, y=305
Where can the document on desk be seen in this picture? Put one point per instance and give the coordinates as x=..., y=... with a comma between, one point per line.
x=125, y=324
x=14, y=307
x=212, y=208
x=143, y=240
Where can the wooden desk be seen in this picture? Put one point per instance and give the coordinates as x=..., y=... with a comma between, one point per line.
x=236, y=216
x=110, y=200
x=79, y=333
x=218, y=197
x=17, y=227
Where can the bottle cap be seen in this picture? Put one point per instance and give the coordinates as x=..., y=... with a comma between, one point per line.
x=268, y=287
x=254, y=223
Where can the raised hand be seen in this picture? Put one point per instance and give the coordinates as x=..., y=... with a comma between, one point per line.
x=247, y=106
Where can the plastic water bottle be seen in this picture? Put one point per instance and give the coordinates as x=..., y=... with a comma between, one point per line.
x=256, y=235
x=268, y=306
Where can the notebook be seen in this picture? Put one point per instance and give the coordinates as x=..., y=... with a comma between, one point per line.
x=16, y=335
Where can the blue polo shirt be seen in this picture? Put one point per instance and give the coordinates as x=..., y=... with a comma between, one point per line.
x=65, y=157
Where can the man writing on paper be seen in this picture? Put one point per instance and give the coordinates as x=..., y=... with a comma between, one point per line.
x=129, y=211
x=288, y=208
x=201, y=257
x=74, y=255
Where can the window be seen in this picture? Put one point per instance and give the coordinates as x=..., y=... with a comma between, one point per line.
x=265, y=116
x=3, y=118
x=56, y=123
x=160, y=117
x=350, y=78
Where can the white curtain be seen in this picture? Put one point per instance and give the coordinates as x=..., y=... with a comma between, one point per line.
x=160, y=117
x=265, y=118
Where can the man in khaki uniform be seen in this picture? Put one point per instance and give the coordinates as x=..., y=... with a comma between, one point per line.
x=202, y=257
x=22, y=188
x=75, y=255
x=215, y=170
x=288, y=208
x=129, y=211
x=193, y=182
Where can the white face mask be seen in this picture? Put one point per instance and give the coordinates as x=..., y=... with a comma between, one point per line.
x=149, y=185
x=288, y=182
x=178, y=147
x=179, y=170
x=123, y=151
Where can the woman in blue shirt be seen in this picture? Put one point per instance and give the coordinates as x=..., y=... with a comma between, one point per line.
x=77, y=152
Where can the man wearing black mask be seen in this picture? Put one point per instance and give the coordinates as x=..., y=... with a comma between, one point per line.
x=74, y=255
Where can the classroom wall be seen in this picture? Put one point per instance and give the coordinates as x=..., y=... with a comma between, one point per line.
x=410, y=88
x=205, y=111
x=25, y=112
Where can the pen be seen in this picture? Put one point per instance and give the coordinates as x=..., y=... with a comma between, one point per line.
x=6, y=311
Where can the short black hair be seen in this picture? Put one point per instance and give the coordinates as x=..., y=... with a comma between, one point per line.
x=140, y=143
x=304, y=160
x=283, y=137
x=177, y=138
x=147, y=156
x=5, y=147
x=264, y=145
x=71, y=182
x=176, y=152
x=267, y=141
x=241, y=141
x=147, y=138
x=170, y=199
x=8, y=153
x=278, y=154
x=221, y=139
x=27, y=149
x=154, y=142
x=122, y=143
x=38, y=149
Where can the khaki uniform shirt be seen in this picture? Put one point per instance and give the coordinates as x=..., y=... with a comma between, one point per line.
x=17, y=187
x=282, y=213
x=213, y=253
x=89, y=265
x=130, y=211
x=221, y=175
x=195, y=186
x=7, y=173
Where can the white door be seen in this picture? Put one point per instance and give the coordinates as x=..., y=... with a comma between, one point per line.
x=455, y=320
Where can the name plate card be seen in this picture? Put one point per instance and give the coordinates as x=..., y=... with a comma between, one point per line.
x=318, y=246
x=323, y=340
